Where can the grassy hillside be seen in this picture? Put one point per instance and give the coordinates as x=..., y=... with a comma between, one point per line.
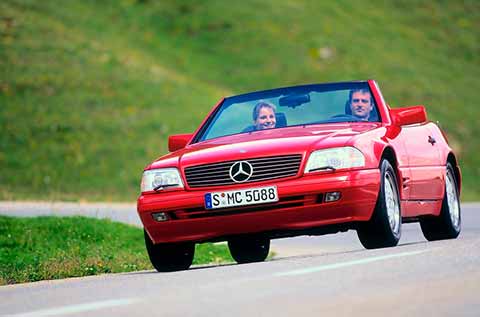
x=90, y=90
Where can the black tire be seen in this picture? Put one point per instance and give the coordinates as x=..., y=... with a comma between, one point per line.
x=249, y=249
x=382, y=231
x=168, y=257
x=446, y=225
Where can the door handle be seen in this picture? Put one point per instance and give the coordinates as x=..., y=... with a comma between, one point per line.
x=431, y=140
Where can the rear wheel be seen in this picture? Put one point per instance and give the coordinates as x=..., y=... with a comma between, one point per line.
x=449, y=223
x=167, y=257
x=385, y=227
x=249, y=249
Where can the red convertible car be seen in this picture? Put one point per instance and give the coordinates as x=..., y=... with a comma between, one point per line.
x=303, y=160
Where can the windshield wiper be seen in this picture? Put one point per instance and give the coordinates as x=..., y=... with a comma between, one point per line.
x=323, y=168
x=161, y=187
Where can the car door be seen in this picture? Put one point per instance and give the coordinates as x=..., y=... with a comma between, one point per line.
x=424, y=162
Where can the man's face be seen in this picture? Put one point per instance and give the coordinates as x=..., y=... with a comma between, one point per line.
x=361, y=104
x=265, y=119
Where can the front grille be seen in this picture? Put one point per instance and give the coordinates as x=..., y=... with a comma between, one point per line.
x=264, y=168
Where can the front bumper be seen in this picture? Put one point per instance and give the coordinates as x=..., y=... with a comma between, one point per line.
x=301, y=206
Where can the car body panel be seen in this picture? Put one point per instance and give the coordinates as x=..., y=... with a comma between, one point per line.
x=279, y=142
x=426, y=170
x=359, y=192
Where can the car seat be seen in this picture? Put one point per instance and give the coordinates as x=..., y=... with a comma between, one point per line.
x=281, y=120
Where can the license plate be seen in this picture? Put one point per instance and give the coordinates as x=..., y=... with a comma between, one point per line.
x=243, y=197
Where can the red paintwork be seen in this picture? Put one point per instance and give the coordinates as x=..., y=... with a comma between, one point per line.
x=179, y=141
x=359, y=192
x=408, y=115
x=420, y=168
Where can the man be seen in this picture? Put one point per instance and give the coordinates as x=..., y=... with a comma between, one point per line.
x=361, y=103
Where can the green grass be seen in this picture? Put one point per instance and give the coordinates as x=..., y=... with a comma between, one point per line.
x=43, y=248
x=90, y=90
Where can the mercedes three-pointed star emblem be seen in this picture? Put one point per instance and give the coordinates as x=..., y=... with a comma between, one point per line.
x=241, y=171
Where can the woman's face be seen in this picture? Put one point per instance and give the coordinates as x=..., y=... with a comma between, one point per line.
x=265, y=119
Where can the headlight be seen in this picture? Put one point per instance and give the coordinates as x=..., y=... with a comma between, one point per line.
x=161, y=178
x=336, y=158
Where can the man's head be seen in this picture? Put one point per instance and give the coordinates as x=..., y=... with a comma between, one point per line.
x=264, y=115
x=361, y=103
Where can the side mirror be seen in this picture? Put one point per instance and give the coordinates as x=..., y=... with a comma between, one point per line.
x=178, y=141
x=408, y=115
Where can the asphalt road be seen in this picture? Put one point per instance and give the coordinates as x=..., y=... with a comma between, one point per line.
x=329, y=275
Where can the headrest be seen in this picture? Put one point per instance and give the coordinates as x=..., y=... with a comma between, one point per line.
x=281, y=120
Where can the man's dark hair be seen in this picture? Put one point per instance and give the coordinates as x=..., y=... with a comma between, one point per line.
x=361, y=90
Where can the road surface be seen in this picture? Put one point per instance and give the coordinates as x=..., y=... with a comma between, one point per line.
x=329, y=275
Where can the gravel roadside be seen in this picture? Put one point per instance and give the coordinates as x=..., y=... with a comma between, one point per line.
x=121, y=212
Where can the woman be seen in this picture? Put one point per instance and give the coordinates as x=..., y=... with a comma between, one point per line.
x=264, y=115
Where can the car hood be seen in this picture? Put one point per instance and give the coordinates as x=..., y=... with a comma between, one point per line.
x=291, y=140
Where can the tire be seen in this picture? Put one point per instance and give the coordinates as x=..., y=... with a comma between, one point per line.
x=168, y=257
x=384, y=229
x=249, y=249
x=449, y=223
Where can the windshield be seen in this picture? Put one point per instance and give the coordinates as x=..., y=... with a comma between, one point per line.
x=292, y=106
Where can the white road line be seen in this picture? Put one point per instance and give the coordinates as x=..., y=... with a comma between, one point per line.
x=71, y=309
x=345, y=264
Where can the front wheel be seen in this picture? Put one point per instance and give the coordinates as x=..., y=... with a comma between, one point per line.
x=249, y=249
x=385, y=227
x=167, y=257
x=449, y=223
